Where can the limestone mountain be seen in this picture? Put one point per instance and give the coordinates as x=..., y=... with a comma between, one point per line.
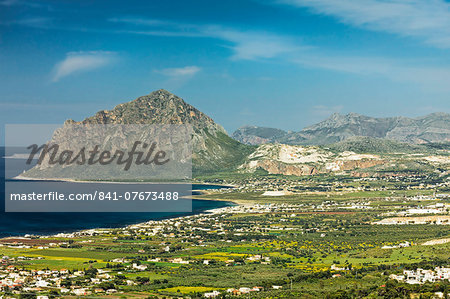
x=212, y=149
x=158, y=107
x=359, y=156
x=432, y=128
x=306, y=160
x=353, y=144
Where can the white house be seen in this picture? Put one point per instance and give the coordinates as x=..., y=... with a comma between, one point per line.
x=212, y=294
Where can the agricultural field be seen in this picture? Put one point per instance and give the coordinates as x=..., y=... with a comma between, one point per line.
x=298, y=245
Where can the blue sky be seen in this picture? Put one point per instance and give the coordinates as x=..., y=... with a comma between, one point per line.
x=284, y=64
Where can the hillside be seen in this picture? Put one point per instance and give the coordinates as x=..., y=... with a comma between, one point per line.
x=356, y=158
x=360, y=144
x=213, y=150
x=254, y=135
x=432, y=128
x=212, y=147
x=341, y=144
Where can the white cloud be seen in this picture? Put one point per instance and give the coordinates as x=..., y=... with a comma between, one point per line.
x=432, y=77
x=76, y=62
x=253, y=44
x=187, y=71
x=248, y=45
x=428, y=20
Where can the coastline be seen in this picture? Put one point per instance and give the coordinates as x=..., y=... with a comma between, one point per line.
x=192, y=214
x=203, y=210
x=66, y=180
x=162, y=218
x=24, y=178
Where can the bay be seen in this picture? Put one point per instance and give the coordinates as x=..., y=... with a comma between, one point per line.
x=19, y=224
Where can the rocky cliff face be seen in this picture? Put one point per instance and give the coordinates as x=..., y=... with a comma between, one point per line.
x=214, y=151
x=306, y=160
x=277, y=167
x=212, y=148
x=431, y=128
x=158, y=107
x=427, y=129
x=311, y=160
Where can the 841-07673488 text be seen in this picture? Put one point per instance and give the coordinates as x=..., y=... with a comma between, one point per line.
x=102, y=196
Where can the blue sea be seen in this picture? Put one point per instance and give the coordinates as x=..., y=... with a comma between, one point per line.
x=17, y=224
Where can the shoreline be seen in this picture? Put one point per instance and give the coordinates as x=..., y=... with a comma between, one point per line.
x=187, y=215
x=197, y=197
x=24, y=178
x=205, y=212
x=163, y=218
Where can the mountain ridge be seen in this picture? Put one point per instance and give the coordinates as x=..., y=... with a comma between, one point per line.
x=214, y=151
x=431, y=128
x=212, y=148
x=147, y=109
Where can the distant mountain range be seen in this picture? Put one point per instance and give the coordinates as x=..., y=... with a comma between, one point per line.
x=349, y=143
x=432, y=128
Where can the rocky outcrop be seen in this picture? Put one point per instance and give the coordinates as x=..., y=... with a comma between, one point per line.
x=158, y=107
x=276, y=167
x=345, y=165
x=431, y=128
x=212, y=149
x=306, y=160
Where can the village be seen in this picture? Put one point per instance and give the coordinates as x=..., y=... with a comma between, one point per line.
x=395, y=181
x=420, y=276
x=262, y=235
